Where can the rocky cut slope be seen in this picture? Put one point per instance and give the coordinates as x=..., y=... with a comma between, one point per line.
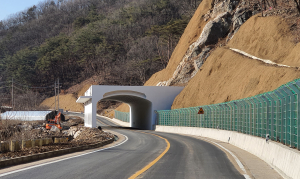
x=215, y=20
x=230, y=51
x=260, y=56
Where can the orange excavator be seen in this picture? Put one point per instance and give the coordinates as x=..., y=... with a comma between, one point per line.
x=54, y=122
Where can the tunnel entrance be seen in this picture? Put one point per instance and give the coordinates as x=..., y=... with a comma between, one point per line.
x=140, y=108
x=143, y=101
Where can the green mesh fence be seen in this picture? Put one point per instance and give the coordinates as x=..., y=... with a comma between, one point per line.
x=275, y=113
x=123, y=116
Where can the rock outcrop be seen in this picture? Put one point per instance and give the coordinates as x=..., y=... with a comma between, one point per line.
x=225, y=15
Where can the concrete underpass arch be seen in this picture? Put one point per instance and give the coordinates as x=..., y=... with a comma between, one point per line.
x=143, y=101
x=140, y=109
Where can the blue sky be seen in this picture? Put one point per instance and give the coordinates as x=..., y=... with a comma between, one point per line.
x=8, y=7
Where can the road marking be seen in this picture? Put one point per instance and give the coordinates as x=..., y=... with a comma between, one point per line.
x=154, y=161
x=28, y=168
x=102, y=122
x=158, y=158
x=235, y=158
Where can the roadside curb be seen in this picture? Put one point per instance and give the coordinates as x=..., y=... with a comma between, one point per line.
x=45, y=155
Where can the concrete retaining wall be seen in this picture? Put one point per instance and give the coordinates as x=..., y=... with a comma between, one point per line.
x=282, y=158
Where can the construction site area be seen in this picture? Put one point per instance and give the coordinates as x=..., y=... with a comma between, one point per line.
x=22, y=138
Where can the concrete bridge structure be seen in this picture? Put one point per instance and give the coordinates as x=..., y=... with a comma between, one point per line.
x=142, y=100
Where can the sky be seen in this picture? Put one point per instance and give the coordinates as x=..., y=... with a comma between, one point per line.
x=8, y=7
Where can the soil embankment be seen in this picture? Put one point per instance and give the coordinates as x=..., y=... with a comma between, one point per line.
x=227, y=75
x=67, y=99
x=66, y=102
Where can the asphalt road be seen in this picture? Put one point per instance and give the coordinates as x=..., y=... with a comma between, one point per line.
x=187, y=158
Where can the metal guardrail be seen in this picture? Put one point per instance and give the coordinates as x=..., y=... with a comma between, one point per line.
x=275, y=113
x=123, y=116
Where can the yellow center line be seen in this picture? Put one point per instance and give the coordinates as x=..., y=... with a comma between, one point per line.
x=154, y=161
x=101, y=122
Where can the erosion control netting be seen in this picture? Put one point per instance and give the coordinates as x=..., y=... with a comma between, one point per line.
x=274, y=113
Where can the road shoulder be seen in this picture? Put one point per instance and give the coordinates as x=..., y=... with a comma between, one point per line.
x=254, y=166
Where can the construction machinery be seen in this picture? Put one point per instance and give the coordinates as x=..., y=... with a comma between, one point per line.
x=54, y=121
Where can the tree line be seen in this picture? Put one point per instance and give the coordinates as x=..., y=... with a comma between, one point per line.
x=124, y=41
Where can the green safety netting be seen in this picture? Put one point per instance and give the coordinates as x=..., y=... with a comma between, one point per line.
x=274, y=113
x=123, y=116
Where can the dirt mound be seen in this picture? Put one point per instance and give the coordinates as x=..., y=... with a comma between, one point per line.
x=66, y=102
x=88, y=134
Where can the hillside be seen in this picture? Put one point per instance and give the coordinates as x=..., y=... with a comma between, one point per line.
x=119, y=42
x=227, y=75
x=66, y=102
x=74, y=40
x=68, y=97
x=190, y=35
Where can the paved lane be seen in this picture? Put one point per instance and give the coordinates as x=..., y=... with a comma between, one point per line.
x=187, y=158
x=119, y=162
x=192, y=158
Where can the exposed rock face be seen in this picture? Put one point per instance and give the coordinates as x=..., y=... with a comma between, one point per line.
x=214, y=30
x=240, y=16
x=185, y=74
x=199, y=61
x=224, y=16
x=224, y=6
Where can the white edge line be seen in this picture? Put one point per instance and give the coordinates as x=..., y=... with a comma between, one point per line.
x=235, y=158
x=28, y=168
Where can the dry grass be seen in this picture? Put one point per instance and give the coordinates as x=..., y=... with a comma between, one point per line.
x=14, y=129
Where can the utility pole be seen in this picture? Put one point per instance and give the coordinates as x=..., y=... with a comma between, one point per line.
x=55, y=94
x=12, y=93
x=58, y=95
